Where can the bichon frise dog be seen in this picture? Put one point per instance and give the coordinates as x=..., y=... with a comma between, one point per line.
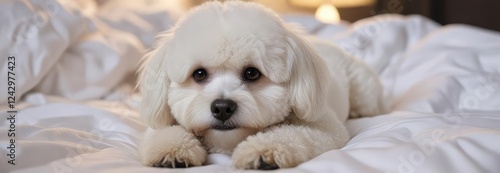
x=234, y=78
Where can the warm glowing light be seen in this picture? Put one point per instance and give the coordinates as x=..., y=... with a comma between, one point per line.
x=327, y=13
x=336, y=3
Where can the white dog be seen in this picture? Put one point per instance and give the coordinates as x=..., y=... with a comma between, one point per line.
x=233, y=78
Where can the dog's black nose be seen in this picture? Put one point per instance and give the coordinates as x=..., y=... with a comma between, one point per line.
x=223, y=109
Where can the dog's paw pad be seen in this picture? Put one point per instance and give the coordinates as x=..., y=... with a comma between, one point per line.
x=175, y=157
x=178, y=158
x=166, y=163
x=266, y=166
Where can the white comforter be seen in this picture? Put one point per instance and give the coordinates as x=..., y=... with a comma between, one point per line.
x=78, y=117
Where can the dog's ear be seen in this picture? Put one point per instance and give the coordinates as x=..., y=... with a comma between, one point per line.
x=309, y=79
x=154, y=85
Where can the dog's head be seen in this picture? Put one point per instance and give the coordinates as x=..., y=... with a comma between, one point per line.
x=227, y=66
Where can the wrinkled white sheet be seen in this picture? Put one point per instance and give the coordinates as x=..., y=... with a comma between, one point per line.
x=77, y=49
x=443, y=82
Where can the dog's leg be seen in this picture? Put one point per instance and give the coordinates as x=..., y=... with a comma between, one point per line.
x=171, y=147
x=286, y=146
x=366, y=91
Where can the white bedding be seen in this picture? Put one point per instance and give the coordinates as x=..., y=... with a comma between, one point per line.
x=443, y=83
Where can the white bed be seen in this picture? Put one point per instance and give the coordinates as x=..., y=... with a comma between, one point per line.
x=80, y=112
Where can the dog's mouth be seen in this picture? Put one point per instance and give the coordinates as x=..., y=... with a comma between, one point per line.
x=223, y=127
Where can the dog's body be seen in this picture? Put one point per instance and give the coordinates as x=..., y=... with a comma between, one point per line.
x=233, y=78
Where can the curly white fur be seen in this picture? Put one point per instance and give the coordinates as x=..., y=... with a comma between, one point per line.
x=293, y=113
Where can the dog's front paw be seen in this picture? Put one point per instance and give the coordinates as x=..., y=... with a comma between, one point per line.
x=268, y=152
x=173, y=148
x=252, y=154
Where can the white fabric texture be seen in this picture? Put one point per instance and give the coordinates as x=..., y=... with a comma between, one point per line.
x=443, y=83
x=77, y=49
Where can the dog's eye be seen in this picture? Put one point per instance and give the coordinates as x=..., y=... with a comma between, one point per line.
x=251, y=74
x=199, y=75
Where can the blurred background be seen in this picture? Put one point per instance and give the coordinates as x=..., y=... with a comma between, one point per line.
x=479, y=12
